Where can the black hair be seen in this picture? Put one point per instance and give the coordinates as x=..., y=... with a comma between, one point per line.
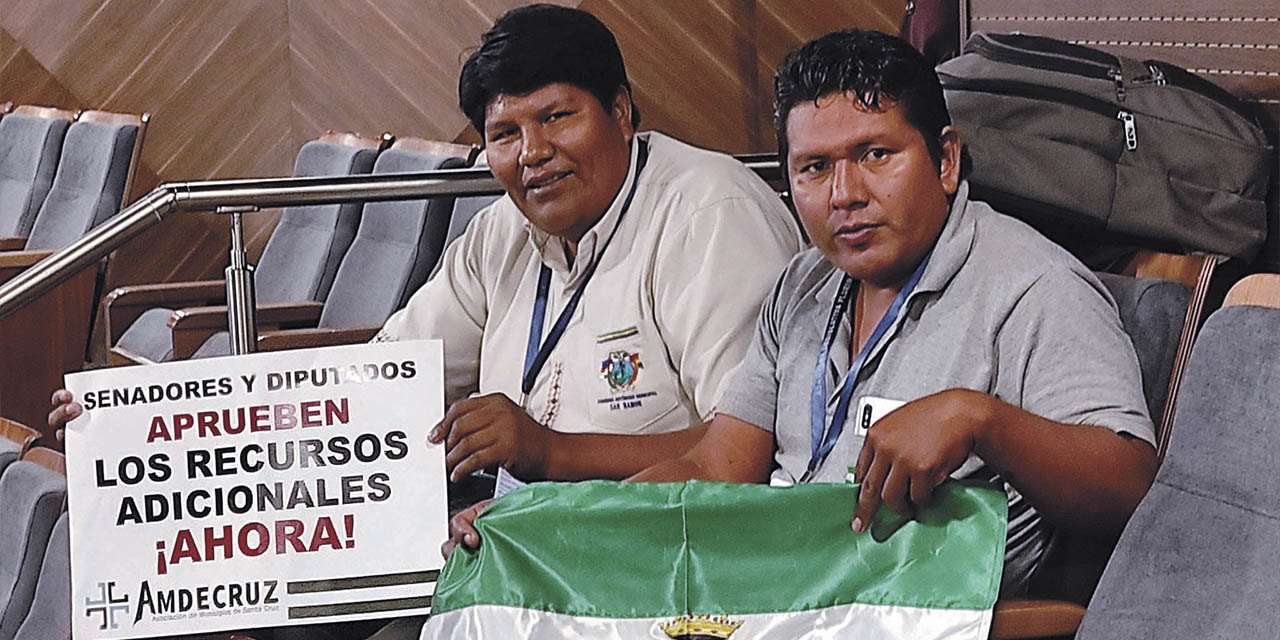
x=530, y=47
x=874, y=67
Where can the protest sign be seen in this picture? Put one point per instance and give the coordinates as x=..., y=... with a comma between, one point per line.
x=256, y=491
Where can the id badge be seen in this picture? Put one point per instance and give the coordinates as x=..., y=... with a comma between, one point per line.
x=871, y=409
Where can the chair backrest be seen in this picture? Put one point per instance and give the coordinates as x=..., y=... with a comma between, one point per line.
x=464, y=209
x=89, y=186
x=303, y=253
x=29, y=146
x=1152, y=311
x=31, y=498
x=396, y=247
x=1198, y=557
x=50, y=615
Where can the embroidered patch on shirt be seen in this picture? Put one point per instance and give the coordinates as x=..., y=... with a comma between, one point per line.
x=620, y=370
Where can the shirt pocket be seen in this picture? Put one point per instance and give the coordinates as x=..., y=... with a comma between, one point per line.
x=633, y=390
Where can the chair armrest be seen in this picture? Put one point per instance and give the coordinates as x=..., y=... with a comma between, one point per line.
x=1023, y=618
x=22, y=259
x=193, y=325
x=302, y=338
x=13, y=243
x=276, y=313
x=14, y=262
x=124, y=304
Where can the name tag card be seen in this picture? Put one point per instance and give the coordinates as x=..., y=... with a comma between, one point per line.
x=256, y=491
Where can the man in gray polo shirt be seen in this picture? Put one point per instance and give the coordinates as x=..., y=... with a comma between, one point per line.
x=975, y=346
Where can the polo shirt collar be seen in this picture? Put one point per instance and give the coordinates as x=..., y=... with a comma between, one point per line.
x=551, y=248
x=952, y=247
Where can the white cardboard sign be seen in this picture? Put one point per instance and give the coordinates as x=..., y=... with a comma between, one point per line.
x=256, y=491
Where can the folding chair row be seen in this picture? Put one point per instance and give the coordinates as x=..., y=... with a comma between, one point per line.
x=326, y=266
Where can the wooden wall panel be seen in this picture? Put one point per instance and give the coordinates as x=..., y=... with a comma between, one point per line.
x=405, y=53
x=23, y=80
x=703, y=71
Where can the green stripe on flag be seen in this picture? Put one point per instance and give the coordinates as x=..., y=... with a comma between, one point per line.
x=620, y=550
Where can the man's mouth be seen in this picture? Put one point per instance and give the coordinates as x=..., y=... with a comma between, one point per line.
x=541, y=182
x=856, y=233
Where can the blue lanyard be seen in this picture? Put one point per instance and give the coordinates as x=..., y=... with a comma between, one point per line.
x=537, y=351
x=823, y=436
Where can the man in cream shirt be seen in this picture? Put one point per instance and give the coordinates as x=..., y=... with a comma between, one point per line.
x=612, y=290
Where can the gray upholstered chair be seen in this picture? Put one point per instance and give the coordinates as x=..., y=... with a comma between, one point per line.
x=464, y=209
x=49, y=617
x=396, y=247
x=1152, y=311
x=1198, y=558
x=32, y=495
x=89, y=185
x=297, y=265
x=30, y=141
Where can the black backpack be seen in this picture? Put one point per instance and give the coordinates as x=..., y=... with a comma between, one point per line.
x=1081, y=143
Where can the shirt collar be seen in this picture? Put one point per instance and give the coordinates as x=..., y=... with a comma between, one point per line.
x=551, y=249
x=953, y=246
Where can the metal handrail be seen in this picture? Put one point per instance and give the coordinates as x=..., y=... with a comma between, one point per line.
x=229, y=195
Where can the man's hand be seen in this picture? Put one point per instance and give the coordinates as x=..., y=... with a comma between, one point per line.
x=65, y=409
x=913, y=449
x=487, y=430
x=462, y=530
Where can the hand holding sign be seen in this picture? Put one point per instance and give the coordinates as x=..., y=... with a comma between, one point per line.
x=492, y=430
x=65, y=409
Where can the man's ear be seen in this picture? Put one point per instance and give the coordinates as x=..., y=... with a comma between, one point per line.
x=949, y=162
x=621, y=112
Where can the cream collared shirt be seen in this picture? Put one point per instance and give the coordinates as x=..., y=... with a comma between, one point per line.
x=665, y=319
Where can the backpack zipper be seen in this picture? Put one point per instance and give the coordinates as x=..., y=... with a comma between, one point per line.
x=1048, y=94
x=1130, y=130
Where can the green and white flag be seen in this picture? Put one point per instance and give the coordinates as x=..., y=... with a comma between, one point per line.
x=710, y=560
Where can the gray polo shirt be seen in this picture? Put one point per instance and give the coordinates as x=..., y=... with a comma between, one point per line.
x=999, y=309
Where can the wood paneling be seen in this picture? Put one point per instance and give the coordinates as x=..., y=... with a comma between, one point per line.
x=704, y=70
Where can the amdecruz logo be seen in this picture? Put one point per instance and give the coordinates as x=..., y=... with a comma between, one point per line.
x=107, y=605
x=219, y=598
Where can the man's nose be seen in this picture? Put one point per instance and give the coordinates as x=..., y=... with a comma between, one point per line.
x=848, y=186
x=537, y=148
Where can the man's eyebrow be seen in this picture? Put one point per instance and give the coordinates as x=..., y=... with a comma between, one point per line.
x=809, y=155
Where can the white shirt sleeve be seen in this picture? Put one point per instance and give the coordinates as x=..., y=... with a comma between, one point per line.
x=707, y=319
